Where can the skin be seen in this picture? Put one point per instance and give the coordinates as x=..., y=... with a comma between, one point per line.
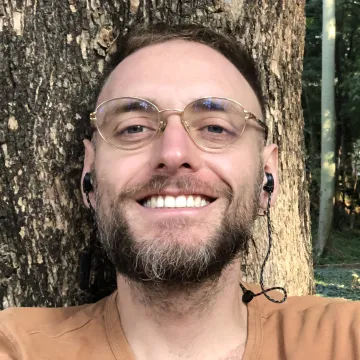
x=173, y=74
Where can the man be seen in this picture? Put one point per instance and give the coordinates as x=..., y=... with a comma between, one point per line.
x=176, y=173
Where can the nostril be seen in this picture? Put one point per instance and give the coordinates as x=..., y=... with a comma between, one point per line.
x=185, y=165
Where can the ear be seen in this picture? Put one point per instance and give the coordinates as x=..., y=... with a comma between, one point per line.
x=270, y=163
x=88, y=165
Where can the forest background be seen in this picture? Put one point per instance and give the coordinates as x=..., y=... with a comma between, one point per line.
x=337, y=269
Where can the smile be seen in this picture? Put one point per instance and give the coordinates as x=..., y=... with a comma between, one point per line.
x=181, y=201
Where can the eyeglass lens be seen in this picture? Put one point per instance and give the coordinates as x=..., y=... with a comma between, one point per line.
x=131, y=123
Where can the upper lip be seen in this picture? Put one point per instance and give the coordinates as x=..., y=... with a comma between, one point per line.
x=175, y=193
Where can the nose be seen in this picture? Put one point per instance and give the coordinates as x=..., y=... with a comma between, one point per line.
x=174, y=151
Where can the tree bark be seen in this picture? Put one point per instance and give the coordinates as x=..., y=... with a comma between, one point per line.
x=53, y=54
x=327, y=190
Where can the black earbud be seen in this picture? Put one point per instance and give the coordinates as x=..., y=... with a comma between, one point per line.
x=269, y=186
x=87, y=185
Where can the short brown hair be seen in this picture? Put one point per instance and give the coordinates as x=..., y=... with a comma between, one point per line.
x=143, y=36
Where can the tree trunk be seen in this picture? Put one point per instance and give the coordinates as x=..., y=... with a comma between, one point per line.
x=327, y=125
x=54, y=54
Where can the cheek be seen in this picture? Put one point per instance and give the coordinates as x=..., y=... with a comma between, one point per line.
x=119, y=170
x=236, y=167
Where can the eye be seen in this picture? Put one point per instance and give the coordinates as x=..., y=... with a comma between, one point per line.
x=134, y=129
x=215, y=129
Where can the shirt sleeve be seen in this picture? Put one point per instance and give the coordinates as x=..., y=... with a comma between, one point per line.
x=7, y=348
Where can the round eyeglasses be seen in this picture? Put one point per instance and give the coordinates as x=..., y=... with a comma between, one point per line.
x=131, y=123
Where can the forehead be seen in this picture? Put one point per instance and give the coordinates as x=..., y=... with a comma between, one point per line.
x=177, y=72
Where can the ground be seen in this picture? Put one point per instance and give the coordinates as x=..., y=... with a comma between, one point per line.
x=342, y=276
x=338, y=282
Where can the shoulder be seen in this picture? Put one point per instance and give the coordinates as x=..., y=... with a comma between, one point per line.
x=32, y=319
x=310, y=308
x=310, y=304
x=323, y=326
x=22, y=328
x=314, y=307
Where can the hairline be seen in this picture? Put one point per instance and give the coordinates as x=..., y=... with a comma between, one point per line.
x=259, y=96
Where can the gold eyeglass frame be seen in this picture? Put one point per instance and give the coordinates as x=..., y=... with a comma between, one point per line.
x=162, y=123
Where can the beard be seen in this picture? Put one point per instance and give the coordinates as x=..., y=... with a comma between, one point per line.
x=167, y=262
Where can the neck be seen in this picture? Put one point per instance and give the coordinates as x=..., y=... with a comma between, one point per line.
x=203, y=322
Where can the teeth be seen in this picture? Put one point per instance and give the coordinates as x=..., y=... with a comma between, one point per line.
x=154, y=201
x=190, y=201
x=159, y=201
x=170, y=201
x=197, y=201
x=181, y=201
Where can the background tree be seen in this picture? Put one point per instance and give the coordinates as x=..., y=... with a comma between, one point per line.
x=327, y=125
x=53, y=59
x=347, y=90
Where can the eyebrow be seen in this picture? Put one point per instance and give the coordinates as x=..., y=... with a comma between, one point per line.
x=135, y=104
x=202, y=104
x=209, y=104
x=122, y=108
x=204, y=101
x=153, y=101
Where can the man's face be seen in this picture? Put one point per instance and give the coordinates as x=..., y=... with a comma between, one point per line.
x=185, y=244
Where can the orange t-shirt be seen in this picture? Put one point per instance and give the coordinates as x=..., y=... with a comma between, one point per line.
x=302, y=328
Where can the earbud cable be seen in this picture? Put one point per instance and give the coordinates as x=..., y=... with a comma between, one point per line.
x=248, y=295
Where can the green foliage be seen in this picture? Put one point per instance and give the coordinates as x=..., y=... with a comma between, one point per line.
x=338, y=283
x=312, y=52
x=311, y=94
x=345, y=248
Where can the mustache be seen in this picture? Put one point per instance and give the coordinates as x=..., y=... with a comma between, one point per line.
x=188, y=183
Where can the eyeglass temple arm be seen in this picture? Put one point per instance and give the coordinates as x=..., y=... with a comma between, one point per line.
x=261, y=123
